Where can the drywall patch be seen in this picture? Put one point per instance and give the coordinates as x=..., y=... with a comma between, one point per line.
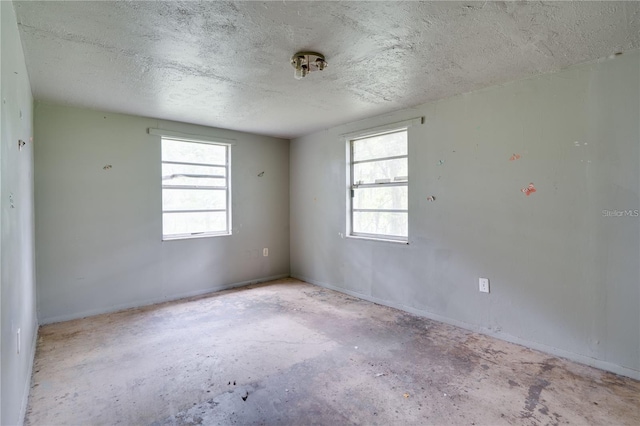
x=585, y=155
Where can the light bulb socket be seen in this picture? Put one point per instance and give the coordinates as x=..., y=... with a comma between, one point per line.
x=307, y=62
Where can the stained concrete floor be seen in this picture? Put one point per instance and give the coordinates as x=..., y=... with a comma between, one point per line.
x=288, y=352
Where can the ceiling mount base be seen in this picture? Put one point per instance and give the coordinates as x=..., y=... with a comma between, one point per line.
x=306, y=62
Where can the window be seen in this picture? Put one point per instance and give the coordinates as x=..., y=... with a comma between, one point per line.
x=379, y=185
x=196, y=194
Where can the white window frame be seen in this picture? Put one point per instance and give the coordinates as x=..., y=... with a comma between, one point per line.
x=352, y=186
x=227, y=144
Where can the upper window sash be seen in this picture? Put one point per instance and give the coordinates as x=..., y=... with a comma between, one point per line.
x=387, y=128
x=190, y=137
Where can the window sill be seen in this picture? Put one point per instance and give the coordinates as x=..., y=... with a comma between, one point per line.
x=382, y=240
x=193, y=237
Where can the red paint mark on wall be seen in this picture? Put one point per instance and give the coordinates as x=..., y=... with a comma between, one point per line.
x=528, y=190
x=514, y=157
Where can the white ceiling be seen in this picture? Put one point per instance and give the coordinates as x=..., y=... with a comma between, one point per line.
x=226, y=64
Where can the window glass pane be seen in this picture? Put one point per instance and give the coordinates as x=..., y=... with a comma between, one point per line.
x=188, y=223
x=388, y=145
x=179, y=174
x=388, y=169
x=392, y=197
x=193, y=152
x=393, y=224
x=193, y=199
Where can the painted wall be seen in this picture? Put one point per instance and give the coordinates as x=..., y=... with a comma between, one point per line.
x=565, y=278
x=98, y=232
x=17, y=295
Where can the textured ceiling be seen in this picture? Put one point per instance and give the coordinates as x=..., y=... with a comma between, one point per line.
x=226, y=64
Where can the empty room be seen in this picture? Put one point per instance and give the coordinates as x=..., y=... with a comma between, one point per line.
x=320, y=212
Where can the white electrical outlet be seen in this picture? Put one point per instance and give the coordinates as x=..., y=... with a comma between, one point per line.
x=18, y=341
x=265, y=252
x=484, y=285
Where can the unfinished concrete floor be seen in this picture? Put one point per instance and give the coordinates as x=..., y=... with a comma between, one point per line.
x=288, y=352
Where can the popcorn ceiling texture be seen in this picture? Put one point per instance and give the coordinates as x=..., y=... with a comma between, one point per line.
x=226, y=64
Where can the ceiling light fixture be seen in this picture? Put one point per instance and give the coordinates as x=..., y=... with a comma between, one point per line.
x=306, y=62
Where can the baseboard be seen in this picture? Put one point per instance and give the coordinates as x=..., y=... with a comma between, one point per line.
x=582, y=359
x=156, y=300
x=27, y=385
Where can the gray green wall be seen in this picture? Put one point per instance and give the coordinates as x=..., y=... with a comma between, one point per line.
x=17, y=285
x=564, y=278
x=98, y=232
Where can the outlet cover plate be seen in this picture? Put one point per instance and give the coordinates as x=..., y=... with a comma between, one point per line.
x=483, y=284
